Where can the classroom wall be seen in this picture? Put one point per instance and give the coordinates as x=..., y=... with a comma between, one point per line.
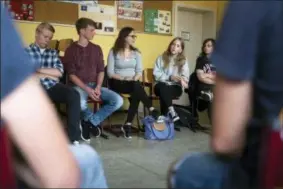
x=145, y=42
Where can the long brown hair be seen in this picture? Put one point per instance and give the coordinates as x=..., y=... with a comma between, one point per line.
x=120, y=41
x=180, y=58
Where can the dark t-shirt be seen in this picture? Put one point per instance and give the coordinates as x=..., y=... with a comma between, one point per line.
x=249, y=48
x=15, y=63
x=204, y=64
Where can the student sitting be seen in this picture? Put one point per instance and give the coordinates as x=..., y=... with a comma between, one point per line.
x=85, y=67
x=205, y=70
x=50, y=69
x=171, y=73
x=124, y=69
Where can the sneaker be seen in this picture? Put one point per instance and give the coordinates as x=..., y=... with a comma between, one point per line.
x=206, y=95
x=85, y=131
x=76, y=143
x=174, y=116
x=96, y=131
x=155, y=114
x=126, y=129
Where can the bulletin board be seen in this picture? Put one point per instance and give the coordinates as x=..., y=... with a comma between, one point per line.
x=104, y=15
x=139, y=25
x=67, y=13
x=158, y=17
x=52, y=11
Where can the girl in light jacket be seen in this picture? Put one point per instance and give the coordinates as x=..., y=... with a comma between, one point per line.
x=171, y=73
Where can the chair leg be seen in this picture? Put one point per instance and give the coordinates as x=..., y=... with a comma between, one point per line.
x=194, y=125
x=111, y=128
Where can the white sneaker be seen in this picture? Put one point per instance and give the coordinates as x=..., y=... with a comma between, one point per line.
x=76, y=143
x=174, y=116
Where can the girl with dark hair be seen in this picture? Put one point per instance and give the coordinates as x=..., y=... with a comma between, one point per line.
x=205, y=70
x=171, y=73
x=124, y=68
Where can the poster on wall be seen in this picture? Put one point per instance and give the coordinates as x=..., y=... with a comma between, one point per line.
x=157, y=21
x=164, y=22
x=21, y=9
x=81, y=2
x=104, y=16
x=150, y=20
x=130, y=10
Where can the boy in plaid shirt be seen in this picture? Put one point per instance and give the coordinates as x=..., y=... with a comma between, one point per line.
x=50, y=69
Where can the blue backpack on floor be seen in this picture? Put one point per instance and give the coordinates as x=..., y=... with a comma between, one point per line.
x=161, y=130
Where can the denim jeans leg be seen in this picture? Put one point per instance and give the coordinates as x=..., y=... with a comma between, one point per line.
x=198, y=171
x=86, y=113
x=91, y=168
x=111, y=102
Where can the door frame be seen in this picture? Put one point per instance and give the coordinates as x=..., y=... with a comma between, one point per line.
x=194, y=8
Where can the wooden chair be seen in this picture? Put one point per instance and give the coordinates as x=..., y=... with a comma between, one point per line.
x=148, y=82
x=63, y=45
x=53, y=44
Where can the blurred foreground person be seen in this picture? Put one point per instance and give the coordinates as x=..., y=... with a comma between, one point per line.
x=248, y=99
x=47, y=160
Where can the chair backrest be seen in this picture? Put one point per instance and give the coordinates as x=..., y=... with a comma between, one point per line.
x=64, y=44
x=147, y=76
x=106, y=78
x=53, y=44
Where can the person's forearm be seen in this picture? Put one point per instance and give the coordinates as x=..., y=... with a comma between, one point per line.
x=41, y=75
x=116, y=76
x=51, y=159
x=77, y=81
x=231, y=111
x=100, y=79
x=137, y=76
x=207, y=81
x=50, y=71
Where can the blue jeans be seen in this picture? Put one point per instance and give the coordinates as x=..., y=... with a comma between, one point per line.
x=91, y=169
x=111, y=102
x=204, y=170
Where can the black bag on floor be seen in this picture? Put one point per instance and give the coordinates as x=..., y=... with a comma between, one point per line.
x=184, y=114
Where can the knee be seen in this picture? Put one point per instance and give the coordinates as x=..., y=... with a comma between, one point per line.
x=161, y=87
x=73, y=96
x=117, y=102
x=88, y=156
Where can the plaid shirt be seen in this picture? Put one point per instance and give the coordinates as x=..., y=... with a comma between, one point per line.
x=48, y=59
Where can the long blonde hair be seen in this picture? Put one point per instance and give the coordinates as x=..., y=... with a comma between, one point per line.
x=180, y=58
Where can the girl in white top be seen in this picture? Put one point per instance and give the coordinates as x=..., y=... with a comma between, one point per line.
x=171, y=74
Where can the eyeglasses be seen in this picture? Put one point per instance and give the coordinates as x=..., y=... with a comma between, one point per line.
x=133, y=36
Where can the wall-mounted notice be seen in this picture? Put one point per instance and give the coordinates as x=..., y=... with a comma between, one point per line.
x=150, y=20
x=130, y=10
x=164, y=24
x=21, y=9
x=157, y=21
x=104, y=16
x=81, y=2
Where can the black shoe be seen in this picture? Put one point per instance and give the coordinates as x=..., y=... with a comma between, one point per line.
x=126, y=129
x=174, y=116
x=207, y=96
x=85, y=132
x=96, y=131
x=155, y=114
